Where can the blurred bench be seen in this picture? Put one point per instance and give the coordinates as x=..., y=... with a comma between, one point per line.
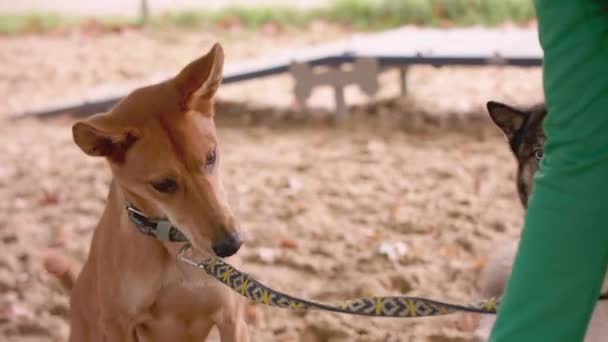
x=366, y=55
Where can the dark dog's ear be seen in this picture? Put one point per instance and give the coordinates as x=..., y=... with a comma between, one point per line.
x=199, y=80
x=507, y=118
x=99, y=135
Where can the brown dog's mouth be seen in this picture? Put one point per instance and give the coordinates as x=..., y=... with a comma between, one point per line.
x=193, y=255
x=222, y=248
x=201, y=253
x=209, y=247
x=201, y=246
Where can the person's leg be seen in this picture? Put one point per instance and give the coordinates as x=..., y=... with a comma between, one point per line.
x=563, y=253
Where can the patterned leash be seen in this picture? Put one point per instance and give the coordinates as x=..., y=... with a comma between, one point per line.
x=393, y=306
x=245, y=285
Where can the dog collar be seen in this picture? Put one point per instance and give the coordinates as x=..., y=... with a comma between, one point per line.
x=159, y=228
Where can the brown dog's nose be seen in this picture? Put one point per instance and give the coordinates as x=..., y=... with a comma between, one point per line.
x=227, y=246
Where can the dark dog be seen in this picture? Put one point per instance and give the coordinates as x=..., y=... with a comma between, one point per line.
x=524, y=130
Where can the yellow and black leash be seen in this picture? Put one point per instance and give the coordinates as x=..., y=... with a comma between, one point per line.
x=247, y=286
x=392, y=306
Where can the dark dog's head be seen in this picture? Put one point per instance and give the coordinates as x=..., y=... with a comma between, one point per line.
x=524, y=129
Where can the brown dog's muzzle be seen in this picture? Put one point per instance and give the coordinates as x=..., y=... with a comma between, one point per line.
x=227, y=246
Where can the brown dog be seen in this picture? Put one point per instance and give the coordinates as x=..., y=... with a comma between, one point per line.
x=161, y=145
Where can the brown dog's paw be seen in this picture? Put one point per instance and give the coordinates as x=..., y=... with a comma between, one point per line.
x=252, y=314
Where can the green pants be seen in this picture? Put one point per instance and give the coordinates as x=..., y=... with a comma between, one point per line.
x=563, y=253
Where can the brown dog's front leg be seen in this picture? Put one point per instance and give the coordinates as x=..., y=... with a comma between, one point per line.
x=116, y=330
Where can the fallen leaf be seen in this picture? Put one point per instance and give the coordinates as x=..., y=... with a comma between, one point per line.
x=288, y=243
x=393, y=250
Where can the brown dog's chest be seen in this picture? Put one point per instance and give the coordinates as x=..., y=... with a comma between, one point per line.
x=172, y=328
x=189, y=291
x=186, y=302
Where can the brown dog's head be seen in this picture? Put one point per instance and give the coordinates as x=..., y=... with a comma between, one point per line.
x=163, y=150
x=524, y=129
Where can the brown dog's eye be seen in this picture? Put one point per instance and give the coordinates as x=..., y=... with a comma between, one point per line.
x=539, y=154
x=167, y=186
x=210, y=159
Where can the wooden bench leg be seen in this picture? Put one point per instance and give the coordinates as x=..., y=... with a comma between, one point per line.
x=364, y=73
x=403, y=80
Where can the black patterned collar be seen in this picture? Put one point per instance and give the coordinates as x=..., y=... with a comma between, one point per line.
x=161, y=229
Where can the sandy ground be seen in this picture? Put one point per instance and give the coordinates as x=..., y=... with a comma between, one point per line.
x=427, y=175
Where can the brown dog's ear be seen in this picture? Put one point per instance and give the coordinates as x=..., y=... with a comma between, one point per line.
x=100, y=136
x=200, y=79
x=507, y=118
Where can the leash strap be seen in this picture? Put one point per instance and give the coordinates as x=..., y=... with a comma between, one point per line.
x=161, y=229
x=247, y=286
x=392, y=306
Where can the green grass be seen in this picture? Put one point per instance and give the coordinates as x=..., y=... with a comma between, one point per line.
x=381, y=13
x=392, y=13
x=12, y=24
x=486, y=12
x=361, y=14
x=31, y=22
x=251, y=18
